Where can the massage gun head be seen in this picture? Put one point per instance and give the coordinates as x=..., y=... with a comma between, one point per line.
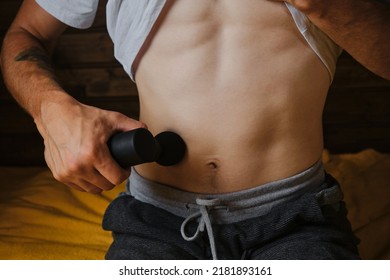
x=171, y=148
x=139, y=146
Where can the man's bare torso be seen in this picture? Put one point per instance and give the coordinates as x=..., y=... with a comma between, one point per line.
x=238, y=82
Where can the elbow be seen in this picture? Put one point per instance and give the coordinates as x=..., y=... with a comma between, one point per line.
x=383, y=72
x=386, y=77
x=378, y=64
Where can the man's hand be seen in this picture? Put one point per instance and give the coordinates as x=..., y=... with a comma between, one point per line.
x=307, y=6
x=360, y=27
x=75, y=137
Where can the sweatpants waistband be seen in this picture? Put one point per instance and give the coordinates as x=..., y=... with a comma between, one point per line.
x=228, y=207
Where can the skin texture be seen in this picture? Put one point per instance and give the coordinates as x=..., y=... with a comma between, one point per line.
x=234, y=78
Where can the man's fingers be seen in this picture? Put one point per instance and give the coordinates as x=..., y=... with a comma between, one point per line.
x=90, y=188
x=85, y=186
x=76, y=187
x=110, y=169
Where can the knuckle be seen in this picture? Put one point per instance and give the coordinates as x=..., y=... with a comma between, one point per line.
x=119, y=116
x=69, y=172
x=120, y=178
x=94, y=190
x=88, y=154
x=108, y=187
x=116, y=181
x=62, y=176
x=59, y=177
x=73, y=167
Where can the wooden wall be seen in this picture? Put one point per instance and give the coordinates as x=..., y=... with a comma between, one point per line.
x=357, y=113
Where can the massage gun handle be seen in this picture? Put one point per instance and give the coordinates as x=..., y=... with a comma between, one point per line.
x=134, y=147
x=139, y=146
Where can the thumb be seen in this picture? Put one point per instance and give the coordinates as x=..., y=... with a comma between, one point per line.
x=124, y=123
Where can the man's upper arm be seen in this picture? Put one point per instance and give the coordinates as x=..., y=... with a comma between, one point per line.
x=34, y=20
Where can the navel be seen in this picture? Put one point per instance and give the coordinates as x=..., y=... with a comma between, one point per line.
x=213, y=165
x=213, y=175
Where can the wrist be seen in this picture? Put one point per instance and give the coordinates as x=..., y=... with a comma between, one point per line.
x=49, y=101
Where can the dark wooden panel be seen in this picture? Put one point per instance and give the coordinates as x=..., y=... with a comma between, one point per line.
x=21, y=149
x=350, y=73
x=108, y=81
x=13, y=119
x=374, y=135
x=3, y=91
x=357, y=118
x=20, y=142
x=353, y=104
x=357, y=111
x=8, y=10
x=78, y=50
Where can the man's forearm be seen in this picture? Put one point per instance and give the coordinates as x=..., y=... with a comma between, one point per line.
x=361, y=27
x=27, y=71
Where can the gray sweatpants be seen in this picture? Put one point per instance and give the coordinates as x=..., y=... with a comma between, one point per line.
x=300, y=217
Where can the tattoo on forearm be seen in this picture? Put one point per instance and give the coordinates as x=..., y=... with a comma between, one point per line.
x=38, y=55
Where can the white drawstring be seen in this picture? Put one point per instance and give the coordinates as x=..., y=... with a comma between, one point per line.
x=204, y=220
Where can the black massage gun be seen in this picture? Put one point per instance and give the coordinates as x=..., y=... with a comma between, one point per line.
x=139, y=146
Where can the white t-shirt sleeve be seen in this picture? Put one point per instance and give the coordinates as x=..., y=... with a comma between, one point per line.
x=75, y=13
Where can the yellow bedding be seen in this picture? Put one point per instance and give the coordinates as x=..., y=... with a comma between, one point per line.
x=43, y=219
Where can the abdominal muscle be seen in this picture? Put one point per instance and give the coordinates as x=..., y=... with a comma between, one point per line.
x=238, y=82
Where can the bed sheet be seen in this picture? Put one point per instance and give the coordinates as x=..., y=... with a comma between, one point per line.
x=41, y=218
